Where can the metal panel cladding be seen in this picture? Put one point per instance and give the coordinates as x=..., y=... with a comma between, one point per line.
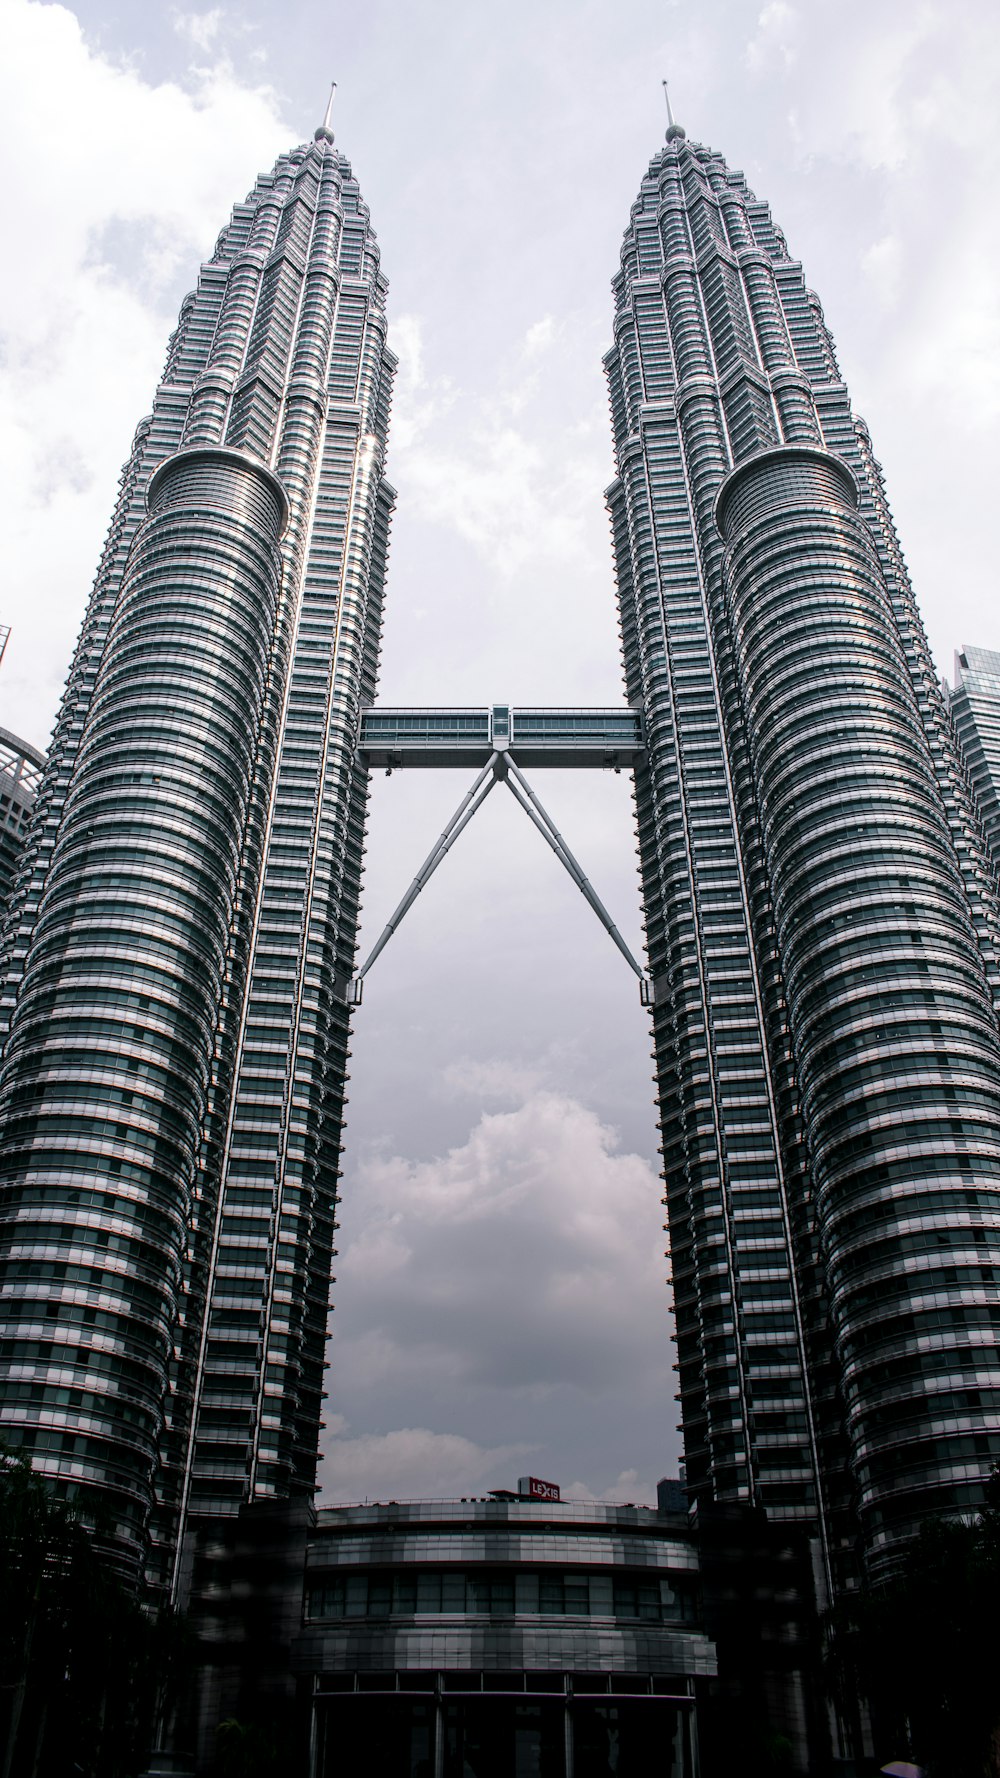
x=821, y=916
x=184, y=926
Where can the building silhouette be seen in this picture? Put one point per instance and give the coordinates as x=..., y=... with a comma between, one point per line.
x=823, y=931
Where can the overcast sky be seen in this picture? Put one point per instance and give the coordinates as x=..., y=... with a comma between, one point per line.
x=501, y=1303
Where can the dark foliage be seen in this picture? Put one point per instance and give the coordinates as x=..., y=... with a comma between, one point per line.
x=924, y=1650
x=250, y=1750
x=84, y=1668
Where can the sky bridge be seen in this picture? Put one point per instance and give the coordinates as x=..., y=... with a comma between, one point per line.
x=499, y=740
x=541, y=737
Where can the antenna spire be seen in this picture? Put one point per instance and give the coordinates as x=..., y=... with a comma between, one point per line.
x=325, y=131
x=674, y=130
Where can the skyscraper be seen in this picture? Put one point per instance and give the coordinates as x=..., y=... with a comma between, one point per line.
x=176, y=975
x=821, y=920
x=974, y=702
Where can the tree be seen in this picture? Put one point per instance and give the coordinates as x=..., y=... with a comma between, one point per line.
x=246, y=1749
x=924, y=1649
x=82, y=1660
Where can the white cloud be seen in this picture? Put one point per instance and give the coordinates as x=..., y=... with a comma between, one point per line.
x=527, y=1259
x=200, y=28
x=412, y=1463
x=627, y=1489
x=774, y=42
x=490, y=1081
x=920, y=106
x=955, y=364
x=419, y=402
x=513, y=1286
x=513, y=461
x=882, y=265
x=540, y=336
x=896, y=81
x=85, y=321
x=885, y=96
x=502, y=491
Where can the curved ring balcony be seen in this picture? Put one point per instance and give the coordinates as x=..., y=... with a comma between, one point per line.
x=205, y=455
x=833, y=478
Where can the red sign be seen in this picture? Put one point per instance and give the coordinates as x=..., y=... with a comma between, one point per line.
x=535, y=1489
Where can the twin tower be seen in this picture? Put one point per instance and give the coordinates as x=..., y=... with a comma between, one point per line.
x=822, y=921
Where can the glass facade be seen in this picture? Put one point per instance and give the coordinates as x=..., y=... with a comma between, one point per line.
x=974, y=702
x=502, y=1637
x=821, y=918
x=490, y=1592
x=548, y=737
x=175, y=972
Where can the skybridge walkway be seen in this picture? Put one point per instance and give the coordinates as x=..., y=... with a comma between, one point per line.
x=540, y=737
x=499, y=740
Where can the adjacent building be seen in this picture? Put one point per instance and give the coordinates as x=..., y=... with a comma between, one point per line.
x=821, y=915
x=974, y=701
x=20, y=770
x=493, y=1636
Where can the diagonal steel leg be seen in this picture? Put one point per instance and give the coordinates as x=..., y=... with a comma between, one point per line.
x=522, y=792
x=463, y=815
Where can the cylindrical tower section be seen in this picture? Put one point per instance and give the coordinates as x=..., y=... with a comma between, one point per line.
x=894, y=1036
x=103, y=1090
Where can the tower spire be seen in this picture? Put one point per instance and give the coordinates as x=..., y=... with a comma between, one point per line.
x=673, y=129
x=325, y=131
